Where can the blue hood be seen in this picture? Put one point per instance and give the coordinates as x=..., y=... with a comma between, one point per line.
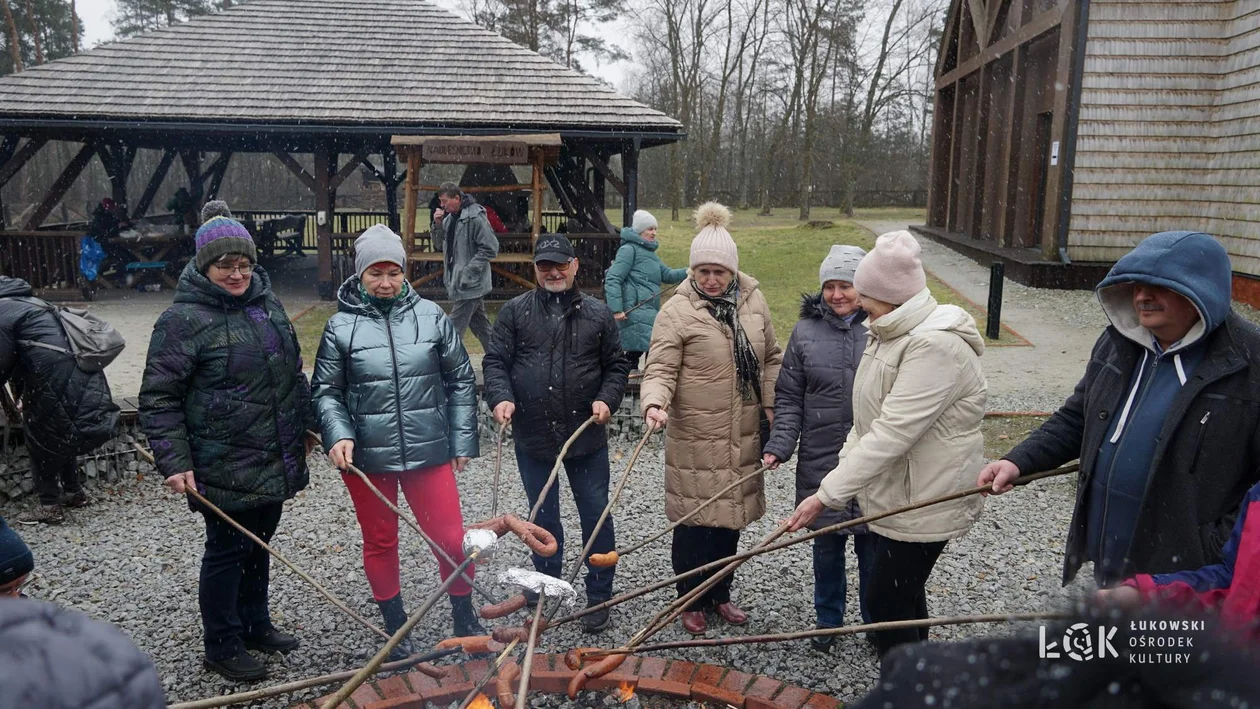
x=1190, y=263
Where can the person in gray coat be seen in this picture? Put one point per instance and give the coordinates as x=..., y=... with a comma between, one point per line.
x=461, y=230
x=53, y=658
x=395, y=395
x=813, y=401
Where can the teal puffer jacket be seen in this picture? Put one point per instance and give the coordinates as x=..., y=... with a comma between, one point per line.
x=635, y=276
x=399, y=384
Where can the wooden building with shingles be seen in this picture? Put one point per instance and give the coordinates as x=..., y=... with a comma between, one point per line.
x=1068, y=130
x=334, y=79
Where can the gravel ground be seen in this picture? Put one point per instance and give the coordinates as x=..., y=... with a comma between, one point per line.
x=132, y=560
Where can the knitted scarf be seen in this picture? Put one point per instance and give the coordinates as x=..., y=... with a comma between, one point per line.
x=382, y=304
x=725, y=310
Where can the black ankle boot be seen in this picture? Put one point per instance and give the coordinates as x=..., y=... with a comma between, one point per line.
x=465, y=617
x=395, y=617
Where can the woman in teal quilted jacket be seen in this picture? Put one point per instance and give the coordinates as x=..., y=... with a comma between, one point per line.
x=634, y=277
x=395, y=396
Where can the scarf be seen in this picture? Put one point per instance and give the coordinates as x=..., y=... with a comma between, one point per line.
x=382, y=304
x=725, y=310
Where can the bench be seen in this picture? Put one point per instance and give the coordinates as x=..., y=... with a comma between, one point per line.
x=288, y=233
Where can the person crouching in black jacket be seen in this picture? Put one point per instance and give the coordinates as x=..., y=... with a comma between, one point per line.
x=554, y=361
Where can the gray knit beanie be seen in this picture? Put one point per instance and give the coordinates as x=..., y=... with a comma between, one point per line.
x=378, y=244
x=642, y=221
x=841, y=263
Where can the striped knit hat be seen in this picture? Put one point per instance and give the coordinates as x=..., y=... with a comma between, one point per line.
x=220, y=236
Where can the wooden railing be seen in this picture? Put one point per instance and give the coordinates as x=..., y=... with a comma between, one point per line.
x=48, y=260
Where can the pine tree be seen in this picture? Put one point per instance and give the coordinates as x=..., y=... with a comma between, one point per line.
x=55, y=26
x=134, y=17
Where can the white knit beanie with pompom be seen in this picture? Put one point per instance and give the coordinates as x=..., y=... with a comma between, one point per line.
x=713, y=244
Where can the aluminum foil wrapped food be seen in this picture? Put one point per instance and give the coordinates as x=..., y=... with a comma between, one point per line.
x=481, y=541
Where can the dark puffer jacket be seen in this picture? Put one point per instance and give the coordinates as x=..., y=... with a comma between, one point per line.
x=813, y=399
x=399, y=384
x=60, y=402
x=57, y=659
x=224, y=394
x=554, y=355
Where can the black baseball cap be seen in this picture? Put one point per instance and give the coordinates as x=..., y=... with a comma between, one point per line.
x=555, y=248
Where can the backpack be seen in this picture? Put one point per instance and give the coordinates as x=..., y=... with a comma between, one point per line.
x=94, y=343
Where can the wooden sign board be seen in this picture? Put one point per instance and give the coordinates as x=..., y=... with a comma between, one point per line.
x=495, y=152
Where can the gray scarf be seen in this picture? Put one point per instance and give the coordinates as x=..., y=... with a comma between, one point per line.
x=725, y=310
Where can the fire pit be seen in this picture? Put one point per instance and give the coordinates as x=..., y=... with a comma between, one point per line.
x=640, y=683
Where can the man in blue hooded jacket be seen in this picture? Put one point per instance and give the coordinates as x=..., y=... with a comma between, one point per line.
x=1166, y=420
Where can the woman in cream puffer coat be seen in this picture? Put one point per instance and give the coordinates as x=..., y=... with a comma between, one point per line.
x=918, y=401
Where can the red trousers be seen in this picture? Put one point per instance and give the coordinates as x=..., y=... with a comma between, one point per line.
x=434, y=499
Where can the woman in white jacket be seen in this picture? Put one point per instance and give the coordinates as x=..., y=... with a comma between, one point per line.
x=918, y=400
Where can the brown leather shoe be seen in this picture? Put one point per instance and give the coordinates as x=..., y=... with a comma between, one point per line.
x=694, y=622
x=732, y=614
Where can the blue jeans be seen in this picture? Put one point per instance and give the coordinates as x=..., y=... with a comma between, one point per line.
x=830, y=582
x=588, y=480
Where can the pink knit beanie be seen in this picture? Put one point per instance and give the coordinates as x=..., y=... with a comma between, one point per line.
x=892, y=271
x=713, y=244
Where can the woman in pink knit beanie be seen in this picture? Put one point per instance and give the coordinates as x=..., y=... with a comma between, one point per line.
x=918, y=400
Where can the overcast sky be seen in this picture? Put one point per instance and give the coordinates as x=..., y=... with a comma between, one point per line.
x=97, y=28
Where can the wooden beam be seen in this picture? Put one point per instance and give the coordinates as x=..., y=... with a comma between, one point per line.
x=388, y=175
x=979, y=20
x=19, y=159
x=9, y=147
x=585, y=196
x=536, y=177
x=349, y=167
x=323, y=203
x=196, y=187
x=217, y=167
x=604, y=170
x=1043, y=23
x=217, y=171
x=61, y=185
x=155, y=183
x=630, y=170
x=947, y=36
x=979, y=154
x=288, y=161
x=410, y=200
x=991, y=25
x=559, y=188
x=1008, y=188
x=1056, y=176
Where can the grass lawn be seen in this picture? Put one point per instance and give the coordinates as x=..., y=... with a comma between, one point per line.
x=776, y=250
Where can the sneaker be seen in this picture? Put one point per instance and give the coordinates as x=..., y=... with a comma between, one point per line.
x=272, y=641
x=597, y=622
x=822, y=643
x=244, y=667
x=77, y=500
x=42, y=514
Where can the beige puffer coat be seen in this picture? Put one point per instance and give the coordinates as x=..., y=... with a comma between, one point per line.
x=690, y=373
x=918, y=400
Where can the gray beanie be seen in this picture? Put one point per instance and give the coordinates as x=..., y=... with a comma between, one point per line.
x=215, y=208
x=378, y=244
x=841, y=264
x=643, y=220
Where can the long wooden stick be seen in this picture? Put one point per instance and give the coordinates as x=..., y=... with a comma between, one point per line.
x=279, y=557
x=494, y=669
x=649, y=299
x=527, y=668
x=371, y=668
x=692, y=513
x=844, y=630
x=498, y=466
x=298, y=685
x=839, y=526
x=555, y=469
x=608, y=508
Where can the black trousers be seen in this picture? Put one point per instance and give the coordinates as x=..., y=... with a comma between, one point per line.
x=896, y=589
x=697, y=546
x=235, y=574
x=53, y=472
x=633, y=357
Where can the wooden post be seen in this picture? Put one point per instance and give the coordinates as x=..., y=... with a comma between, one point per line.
x=217, y=171
x=61, y=185
x=1056, y=177
x=155, y=183
x=389, y=162
x=323, y=228
x=630, y=174
x=597, y=182
x=410, y=196
x=537, y=195
x=1010, y=150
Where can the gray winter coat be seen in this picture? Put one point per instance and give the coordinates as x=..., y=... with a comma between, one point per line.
x=813, y=399
x=399, y=385
x=469, y=246
x=58, y=659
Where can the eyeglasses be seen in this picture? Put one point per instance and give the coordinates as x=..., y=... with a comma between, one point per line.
x=242, y=268
x=545, y=266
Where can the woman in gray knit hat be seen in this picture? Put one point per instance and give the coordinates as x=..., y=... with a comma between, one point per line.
x=813, y=402
x=395, y=396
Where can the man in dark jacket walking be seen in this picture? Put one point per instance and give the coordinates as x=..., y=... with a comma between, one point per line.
x=65, y=410
x=1165, y=420
x=554, y=361
x=462, y=231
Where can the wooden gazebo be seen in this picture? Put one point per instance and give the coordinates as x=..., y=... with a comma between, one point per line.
x=335, y=80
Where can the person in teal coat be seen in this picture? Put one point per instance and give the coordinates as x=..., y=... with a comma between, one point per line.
x=636, y=276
